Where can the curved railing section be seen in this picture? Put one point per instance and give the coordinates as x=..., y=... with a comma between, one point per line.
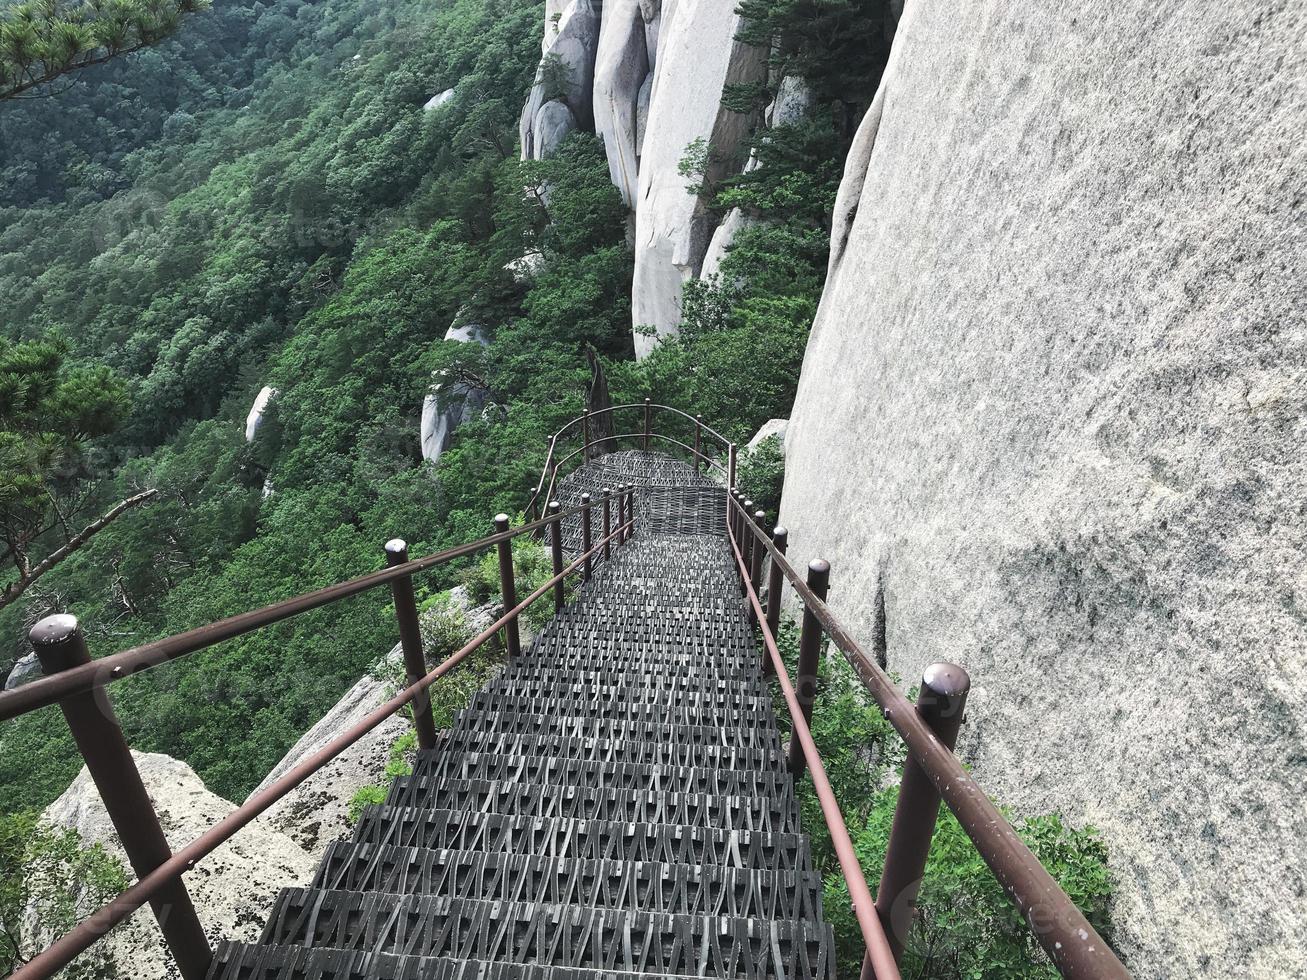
x=592, y=445
x=80, y=686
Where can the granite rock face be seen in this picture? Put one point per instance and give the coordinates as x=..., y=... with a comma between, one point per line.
x=697, y=57
x=449, y=404
x=569, y=61
x=233, y=888
x=257, y=411
x=1054, y=410
x=620, y=72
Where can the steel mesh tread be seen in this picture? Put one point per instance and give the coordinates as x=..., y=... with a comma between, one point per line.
x=719, y=686
x=546, y=771
x=774, y=814
x=584, y=726
x=241, y=961
x=529, y=878
x=759, y=716
x=717, y=694
x=653, y=943
x=629, y=752
x=580, y=840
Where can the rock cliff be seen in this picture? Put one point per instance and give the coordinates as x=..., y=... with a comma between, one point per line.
x=649, y=76
x=1053, y=414
x=232, y=888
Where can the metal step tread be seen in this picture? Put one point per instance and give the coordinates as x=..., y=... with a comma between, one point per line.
x=631, y=752
x=581, y=839
x=551, y=935
x=649, y=886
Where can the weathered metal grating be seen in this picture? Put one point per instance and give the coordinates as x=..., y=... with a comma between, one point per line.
x=678, y=889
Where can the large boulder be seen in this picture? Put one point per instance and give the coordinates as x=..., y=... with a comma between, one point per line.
x=258, y=411
x=697, y=57
x=233, y=888
x=722, y=240
x=621, y=67
x=450, y=403
x=438, y=100
x=24, y=670
x=566, y=72
x=1052, y=414
x=554, y=122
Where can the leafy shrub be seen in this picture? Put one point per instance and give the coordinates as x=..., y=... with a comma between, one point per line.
x=762, y=474
x=45, y=870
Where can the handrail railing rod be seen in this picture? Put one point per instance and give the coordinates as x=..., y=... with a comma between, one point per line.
x=1072, y=943
x=551, y=486
x=879, y=950
x=85, y=934
x=46, y=691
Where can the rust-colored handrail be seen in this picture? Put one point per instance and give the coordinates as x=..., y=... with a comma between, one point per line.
x=86, y=933
x=879, y=951
x=550, y=470
x=100, y=673
x=1059, y=926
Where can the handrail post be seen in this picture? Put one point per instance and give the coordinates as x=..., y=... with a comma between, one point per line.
x=941, y=704
x=698, y=434
x=535, y=503
x=585, y=536
x=585, y=436
x=630, y=510
x=556, y=548
x=608, y=521
x=513, y=638
x=810, y=639
x=732, y=459
x=647, y=422
x=60, y=645
x=410, y=641
x=746, y=542
x=755, y=557
x=775, y=583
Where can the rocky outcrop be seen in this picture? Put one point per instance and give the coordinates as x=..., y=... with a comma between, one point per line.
x=438, y=100
x=771, y=429
x=317, y=811
x=698, y=57
x=566, y=73
x=450, y=403
x=553, y=123
x=258, y=411
x=25, y=669
x=233, y=888
x=722, y=240
x=621, y=69
x=1052, y=414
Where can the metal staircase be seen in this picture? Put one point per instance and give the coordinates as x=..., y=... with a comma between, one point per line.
x=615, y=803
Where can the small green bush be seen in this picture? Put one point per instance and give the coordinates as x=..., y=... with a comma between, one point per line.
x=762, y=475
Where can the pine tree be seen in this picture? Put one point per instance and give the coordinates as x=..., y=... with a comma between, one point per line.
x=48, y=413
x=43, y=40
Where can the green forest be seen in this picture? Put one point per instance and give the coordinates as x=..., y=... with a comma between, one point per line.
x=259, y=198
x=262, y=200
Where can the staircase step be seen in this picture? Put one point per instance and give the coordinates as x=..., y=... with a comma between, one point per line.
x=705, y=715
x=547, y=771
x=773, y=814
x=611, y=658
x=630, y=752
x=651, y=683
x=653, y=943
x=238, y=961
x=580, y=840
x=719, y=695
x=576, y=726
x=680, y=889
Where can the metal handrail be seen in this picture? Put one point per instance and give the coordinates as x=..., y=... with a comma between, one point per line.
x=550, y=470
x=879, y=951
x=86, y=933
x=628, y=435
x=1072, y=943
x=46, y=691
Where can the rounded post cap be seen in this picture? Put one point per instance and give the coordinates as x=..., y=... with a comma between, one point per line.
x=946, y=680
x=748, y=505
x=501, y=521
x=818, y=572
x=555, y=505
x=759, y=516
x=648, y=400
x=780, y=532
x=607, y=491
x=53, y=629
x=585, y=498
x=396, y=546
